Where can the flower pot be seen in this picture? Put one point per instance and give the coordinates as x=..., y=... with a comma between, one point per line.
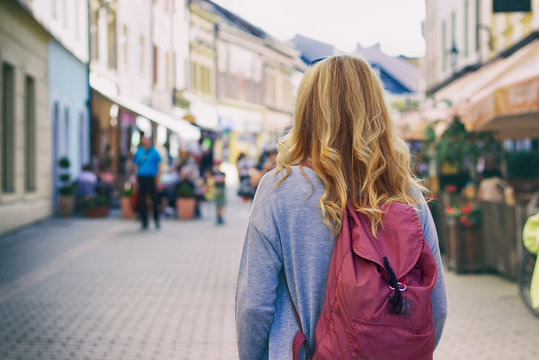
x=471, y=250
x=127, y=208
x=96, y=212
x=185, y=208
x=464, y=253
x=65, y=205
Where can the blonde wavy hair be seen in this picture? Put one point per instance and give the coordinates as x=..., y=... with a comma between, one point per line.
x=342, y=127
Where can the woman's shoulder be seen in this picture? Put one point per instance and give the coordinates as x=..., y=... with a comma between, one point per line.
x=299, y=185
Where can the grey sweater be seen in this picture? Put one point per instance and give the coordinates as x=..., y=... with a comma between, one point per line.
x=286, y=229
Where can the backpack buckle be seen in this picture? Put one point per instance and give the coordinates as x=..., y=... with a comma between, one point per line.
x=401, y=284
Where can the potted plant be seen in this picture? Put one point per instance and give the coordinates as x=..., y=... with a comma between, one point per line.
x=66, y=189
x=95, y=206
x=185, y=200
x=126, y=202
x=464, y=237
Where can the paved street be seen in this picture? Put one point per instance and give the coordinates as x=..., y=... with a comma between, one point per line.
x=100, y=289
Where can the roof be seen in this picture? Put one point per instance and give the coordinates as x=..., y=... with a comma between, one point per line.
x=312, y=49
x=406, y=73
x=232, y=19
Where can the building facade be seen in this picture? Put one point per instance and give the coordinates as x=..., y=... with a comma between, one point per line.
x=463, y=35
x=483, y=60
x=133, y=71
x=250, y=75
x=25, y=129
x=68, y=80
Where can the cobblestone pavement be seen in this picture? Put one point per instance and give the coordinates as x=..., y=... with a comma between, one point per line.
x=100, y=289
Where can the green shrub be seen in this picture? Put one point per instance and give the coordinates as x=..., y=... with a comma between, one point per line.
x=66, y=187
x=185, y=190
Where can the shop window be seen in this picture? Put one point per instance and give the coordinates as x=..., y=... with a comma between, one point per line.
x=8, y=128
x=30, y=133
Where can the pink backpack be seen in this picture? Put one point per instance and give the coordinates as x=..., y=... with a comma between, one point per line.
x=377, y=303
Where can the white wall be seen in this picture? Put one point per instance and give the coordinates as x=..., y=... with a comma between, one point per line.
x=67, y=20
x=135, y=67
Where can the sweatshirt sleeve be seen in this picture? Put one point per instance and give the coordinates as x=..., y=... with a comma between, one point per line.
x=439, y=296
x=255, y=294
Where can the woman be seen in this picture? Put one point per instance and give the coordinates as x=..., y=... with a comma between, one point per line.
x=343, y=130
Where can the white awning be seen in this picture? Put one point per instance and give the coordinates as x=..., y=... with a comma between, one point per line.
x=184, y=129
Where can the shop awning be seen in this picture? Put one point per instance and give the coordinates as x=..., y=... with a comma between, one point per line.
x=461, y=91
x=510, y=104
x=184, y=129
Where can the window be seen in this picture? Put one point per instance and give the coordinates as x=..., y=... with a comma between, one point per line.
x=111, y=34
x=30, y=134
x=477, y=25
x=167, y=69
x=155, y=65
x=453, y=29
x=170, y=70
x=8, y=128
x=53, y=9
x=444, y=47
x=194, y=76
x=94, y=34
x=67, y=149
x=466, y=30
x=141, y=54
x=56, y=136
x=64, y=17
x=82, y=139
x=125, y=44
x=77, y=19
x=206, y=81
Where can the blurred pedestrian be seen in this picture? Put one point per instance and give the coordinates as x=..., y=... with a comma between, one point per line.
x=147, y=167
x=218, y=178
x=493, y=187
x=244, y=166
x=266, y=164
x=345, y=137
x=86, y=185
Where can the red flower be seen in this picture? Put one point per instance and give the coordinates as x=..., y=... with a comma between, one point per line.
x=466, y=210
x=451, y=188
x=449, y=210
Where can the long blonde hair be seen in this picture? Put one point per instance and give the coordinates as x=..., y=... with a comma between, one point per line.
x=343, y=128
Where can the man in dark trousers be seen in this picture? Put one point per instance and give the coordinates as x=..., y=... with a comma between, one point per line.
x=147, y=166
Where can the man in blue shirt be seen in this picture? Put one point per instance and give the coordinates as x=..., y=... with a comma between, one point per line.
x=147, y=166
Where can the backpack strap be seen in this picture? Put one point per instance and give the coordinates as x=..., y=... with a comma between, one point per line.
x=299, y=338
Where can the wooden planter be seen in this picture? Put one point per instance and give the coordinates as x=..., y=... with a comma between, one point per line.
x=127, y=208
x=185, y=208
x=465, y=250
x=96, y=212
x=65, y=205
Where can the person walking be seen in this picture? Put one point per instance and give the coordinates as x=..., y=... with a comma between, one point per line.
x=342, y=149
x=147, y=167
